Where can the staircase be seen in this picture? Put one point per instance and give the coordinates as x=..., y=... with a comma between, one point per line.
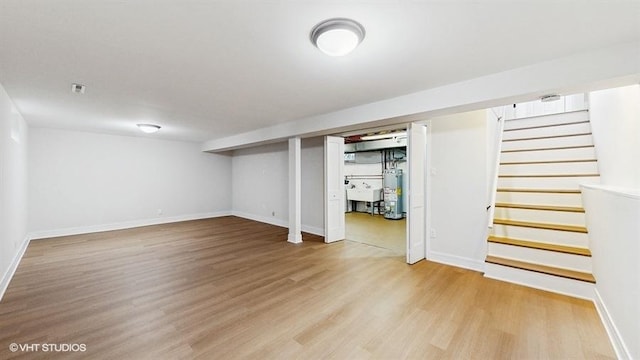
x=539, y=237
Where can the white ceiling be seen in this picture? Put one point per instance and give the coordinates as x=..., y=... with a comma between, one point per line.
x=210, y=69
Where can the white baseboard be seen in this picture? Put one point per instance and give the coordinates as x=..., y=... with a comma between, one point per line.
x=313, y=230
x=260, y=218
x=455, y=260
x=8, y=275
x=123, y=225
x=277, y=222
x=295, y=238
x=622, y=352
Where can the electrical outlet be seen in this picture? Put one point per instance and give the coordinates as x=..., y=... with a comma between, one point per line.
x=433, y=233
x=434, y=172
x=159, y=211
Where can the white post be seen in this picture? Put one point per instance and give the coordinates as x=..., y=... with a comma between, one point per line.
x=295, y=224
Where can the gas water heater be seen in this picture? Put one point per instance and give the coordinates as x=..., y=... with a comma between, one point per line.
x=393, y=193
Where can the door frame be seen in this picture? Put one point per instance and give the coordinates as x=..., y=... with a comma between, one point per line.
x=334, y=192
x=426, y=190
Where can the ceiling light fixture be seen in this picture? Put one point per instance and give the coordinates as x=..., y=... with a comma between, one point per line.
x=337, y=36
x=149, y=128
x=78, y=88
x=400, y=134
x=550, y=98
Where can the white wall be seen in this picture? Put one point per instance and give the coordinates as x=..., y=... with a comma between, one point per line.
x=13, y=188
x=82, y=182
x=458, y=155
x=260, y=184
x=615, y=122
x=613, y=214
x=614, y=231
x=313, y=185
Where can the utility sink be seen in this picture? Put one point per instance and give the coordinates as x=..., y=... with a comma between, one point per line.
x=363, y=194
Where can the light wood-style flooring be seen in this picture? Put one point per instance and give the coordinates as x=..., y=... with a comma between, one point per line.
x=377, y=231
x=229, y=288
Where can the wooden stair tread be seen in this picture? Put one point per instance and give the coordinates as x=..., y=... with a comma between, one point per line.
x=541, y=246
x=536, y=225
x=547, y=175
x=548, y=125
x=544, y=269
x=540, y=207
x=546, y=137
x=549, y=148
x=547, y=162
x=549, y=191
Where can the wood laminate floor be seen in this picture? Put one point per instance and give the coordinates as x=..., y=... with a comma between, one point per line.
x=229, y=288
x=377, y=231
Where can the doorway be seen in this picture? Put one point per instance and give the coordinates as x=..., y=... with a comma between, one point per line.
x=375, y=177
x=405, y=201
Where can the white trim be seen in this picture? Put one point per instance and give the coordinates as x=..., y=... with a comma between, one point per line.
x=618, y=191
x=622, y=351
x=457, y=261
x=8, y=275
x=260, y=218
x=416, y=234
x=123, y=225
x=277, y=222
x=556, y=284
x=334, y=193
x=295, y=238
x=427, y=192
x=313, y=230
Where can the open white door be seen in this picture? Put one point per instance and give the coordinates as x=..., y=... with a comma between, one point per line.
x=416, y=214
x=334, y=193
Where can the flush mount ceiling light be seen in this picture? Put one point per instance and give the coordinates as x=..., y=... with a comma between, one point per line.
x=148, y=128
x=550, y=98
x=337, y=36
x=391, y=135
x=78, y=88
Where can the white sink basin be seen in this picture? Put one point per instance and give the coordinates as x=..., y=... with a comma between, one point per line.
x=360, y=194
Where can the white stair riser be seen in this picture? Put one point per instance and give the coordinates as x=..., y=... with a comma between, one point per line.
x=579, y=128
x=550, y=155
x=568, y=238
x=540, y=198
x=536, y=280
x=578, y=140
x=547, y=120
x=542, y=257
x=543, y=216
x=569, y=183
x=552, y=168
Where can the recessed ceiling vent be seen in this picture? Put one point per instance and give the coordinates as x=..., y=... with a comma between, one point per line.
x=77, y=88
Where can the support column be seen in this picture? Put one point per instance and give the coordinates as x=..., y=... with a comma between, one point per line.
x=295, y=223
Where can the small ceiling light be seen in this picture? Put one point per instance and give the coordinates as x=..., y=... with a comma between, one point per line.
x=337, y=36
x=149, y=128
x=78, y=88
x=550, y=98
x=391, y=135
